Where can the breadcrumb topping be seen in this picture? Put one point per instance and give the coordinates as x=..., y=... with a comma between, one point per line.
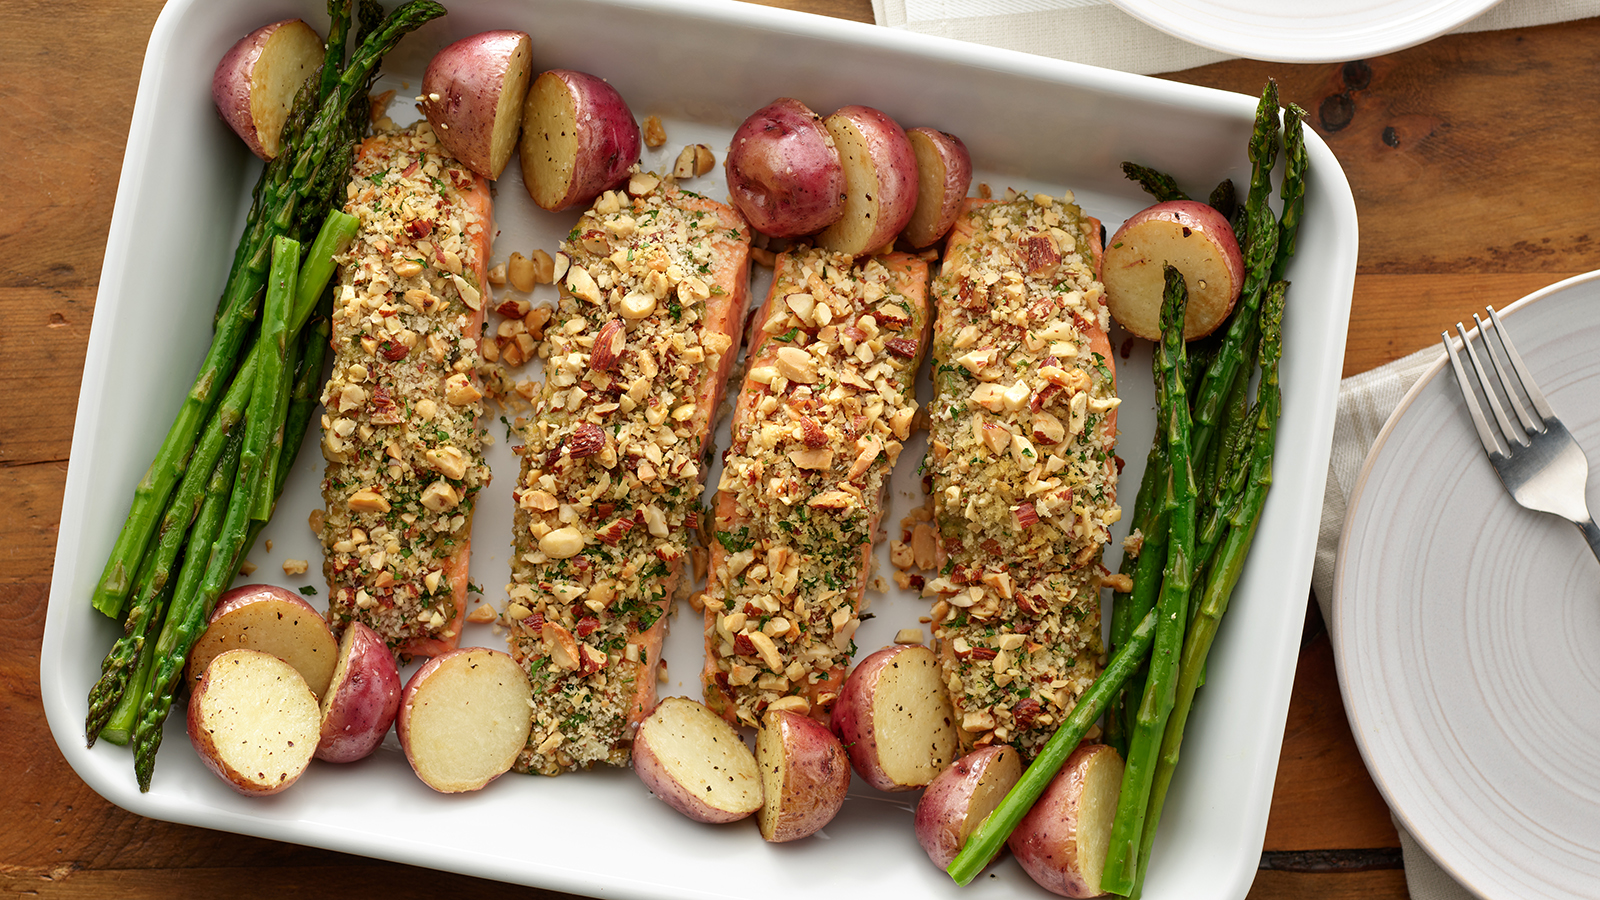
x=1022, y=433
x=400, y=421
x=827, y=403
x=608, y=499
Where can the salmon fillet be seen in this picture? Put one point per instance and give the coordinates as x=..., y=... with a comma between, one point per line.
x=1022, y=436
x=613, y=461
x=400, y=423
x=828, y=397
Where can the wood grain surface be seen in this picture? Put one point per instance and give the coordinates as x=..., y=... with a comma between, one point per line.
x=1472, y=163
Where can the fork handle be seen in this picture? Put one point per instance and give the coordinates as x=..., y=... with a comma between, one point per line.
x=1591, y=533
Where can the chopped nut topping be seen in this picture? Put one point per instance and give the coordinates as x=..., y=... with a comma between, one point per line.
x=612, y=459
x=654, y=134
x=402, y=438
x=812, y=447
x=1022, y=472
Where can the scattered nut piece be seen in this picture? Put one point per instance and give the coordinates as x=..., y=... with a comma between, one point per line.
x=654, y=133
x=295, y=566
x=544, y=267
x=519, y=271
x=693, y=161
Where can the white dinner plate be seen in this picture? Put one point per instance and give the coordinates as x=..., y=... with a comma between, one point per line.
x=1467, y=628
x=1305, y=31
x=1031, y=123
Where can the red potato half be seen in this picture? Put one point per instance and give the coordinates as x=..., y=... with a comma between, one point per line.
x=472, y=95
x=696, y=762
x=1184, y=233
x=363, y=697
x=463, y=718
x=1061, y=843
x=272, y=619
x=578, y=138
x=784, y=172
x=253, y=721
x=880, y=174
x=255, y=83
x=895, y=719
x=944, y=173
x=805, y=774
x=958, y=801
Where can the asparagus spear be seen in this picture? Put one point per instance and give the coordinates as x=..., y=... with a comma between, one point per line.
x=339, y=13
x=1229, y=563
x=1261, y=243
x=184, y=617
x=1224, y=199
x=1159, y=185
x=270, y=398
x=1235, y=415
x=1144, y=523
x=1122, y=857
x=986, y=841
x=1150, y=522
x=150, y=599
x=338, y=230
x=116, y=723
x=1293, y=191
x=241, y=305
x=220, y=554
x=303, y=398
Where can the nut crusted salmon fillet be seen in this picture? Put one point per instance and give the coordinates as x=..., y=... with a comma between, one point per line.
x=613, y=460
x=1022, y=434
x=828, y=398
x=400, y=422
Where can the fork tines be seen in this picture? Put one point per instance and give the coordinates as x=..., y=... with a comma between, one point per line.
x=1501, y=353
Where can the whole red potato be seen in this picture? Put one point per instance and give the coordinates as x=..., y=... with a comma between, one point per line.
x=784, y=173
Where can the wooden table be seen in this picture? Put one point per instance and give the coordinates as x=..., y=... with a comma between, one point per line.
x=1471, y=159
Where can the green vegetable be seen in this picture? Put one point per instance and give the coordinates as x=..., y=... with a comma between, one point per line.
x=270, y=397
x=326, y=140
x=1259, y=248
x=990, y=836
x=1224, y=199
x=1293, y=191
x=116, y=725
x=1159, y=185
x=1172, y=607
x=186, y=617
x=1228, y=566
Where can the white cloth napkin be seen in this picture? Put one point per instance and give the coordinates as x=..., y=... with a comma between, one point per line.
x=1097, y=33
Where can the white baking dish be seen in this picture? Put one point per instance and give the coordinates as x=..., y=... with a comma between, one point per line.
x=1031, y=123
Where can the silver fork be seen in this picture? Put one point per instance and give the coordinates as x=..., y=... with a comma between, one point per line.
x=1537, y=460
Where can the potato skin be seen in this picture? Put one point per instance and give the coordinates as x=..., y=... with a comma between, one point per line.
x=853, y=720
x=288, y=706
x=1192, y=236
x=462, y=97
x=1061, y=842
x=274, y=619
x=944, y=173
x=257, y=118
x=805, y=773
x=784, y=173
x=880, y=171
x=564, y=172
x=961, y=797
x=363, y=698
x=654, y=762
x=471, y=737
